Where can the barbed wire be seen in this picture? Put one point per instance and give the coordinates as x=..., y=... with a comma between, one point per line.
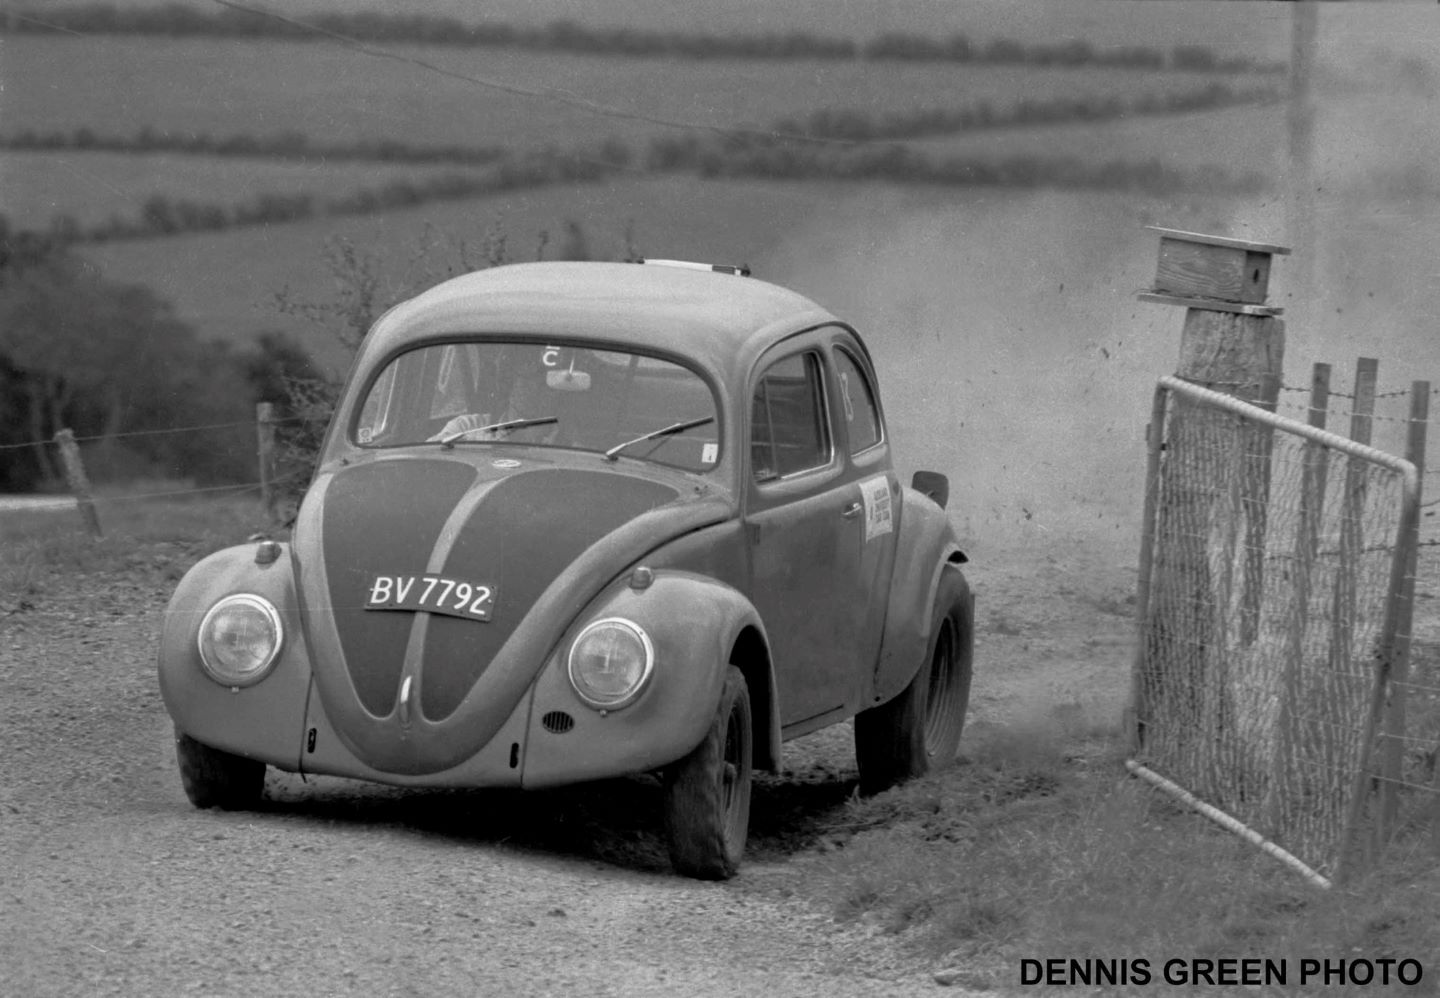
x=1297, y=407
x=147, y=433
x=1399, y=393
x=206, y=489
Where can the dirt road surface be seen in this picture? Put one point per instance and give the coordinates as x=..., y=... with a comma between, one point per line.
x=112, y=884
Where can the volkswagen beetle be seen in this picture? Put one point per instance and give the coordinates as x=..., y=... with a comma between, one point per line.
x=574, y=521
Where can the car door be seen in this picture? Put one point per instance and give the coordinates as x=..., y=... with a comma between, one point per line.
x=804, y=522
x=867, y=450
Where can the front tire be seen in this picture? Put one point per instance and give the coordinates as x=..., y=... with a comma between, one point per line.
x=707, y=794
x=919, y=730
x=213, y=778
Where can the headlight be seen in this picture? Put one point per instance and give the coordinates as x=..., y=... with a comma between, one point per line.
x=239, y=640
x=610, y=662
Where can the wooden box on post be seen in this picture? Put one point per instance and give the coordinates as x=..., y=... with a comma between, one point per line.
x=1213, y=268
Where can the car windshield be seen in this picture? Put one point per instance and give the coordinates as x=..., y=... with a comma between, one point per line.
x=495, y=392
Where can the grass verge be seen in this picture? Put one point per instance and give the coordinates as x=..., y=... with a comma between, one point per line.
x=39, y=548
x=1040, y=846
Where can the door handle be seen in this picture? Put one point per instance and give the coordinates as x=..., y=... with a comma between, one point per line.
x=851, y=510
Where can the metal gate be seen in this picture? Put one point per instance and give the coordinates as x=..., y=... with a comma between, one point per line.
x=1272, y=579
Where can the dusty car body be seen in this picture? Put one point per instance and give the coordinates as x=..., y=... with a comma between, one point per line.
x=692, y=547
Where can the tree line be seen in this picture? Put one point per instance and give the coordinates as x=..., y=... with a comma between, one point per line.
x=113, y=363
x=847, y=124
x=179, y=21
x=289, y=145
x=848, y=147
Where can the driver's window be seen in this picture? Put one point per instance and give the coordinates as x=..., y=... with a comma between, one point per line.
x=789, y=432
x=862, y=416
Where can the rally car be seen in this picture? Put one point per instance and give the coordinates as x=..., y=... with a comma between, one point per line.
x=574, y=521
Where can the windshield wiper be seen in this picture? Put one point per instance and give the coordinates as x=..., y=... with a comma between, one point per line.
x=664, y=431
x=509, y=424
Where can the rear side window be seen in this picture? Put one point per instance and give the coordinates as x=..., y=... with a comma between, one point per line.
x=789, y=431
x=862, y=415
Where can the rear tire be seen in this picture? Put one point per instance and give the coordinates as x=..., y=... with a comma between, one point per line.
x=919, y=730
x=213, y=778
x=707, y=794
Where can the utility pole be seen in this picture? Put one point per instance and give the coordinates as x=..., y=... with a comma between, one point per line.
x=1300, y=134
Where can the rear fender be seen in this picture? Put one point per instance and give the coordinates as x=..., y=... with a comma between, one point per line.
x=925, y=544
x=695, y=624
x=264, y=721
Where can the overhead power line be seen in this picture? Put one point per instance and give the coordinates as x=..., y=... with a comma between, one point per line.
x=549, y=93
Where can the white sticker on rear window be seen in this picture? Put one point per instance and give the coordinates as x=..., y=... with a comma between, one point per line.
x=709, y=453
x=876, y=494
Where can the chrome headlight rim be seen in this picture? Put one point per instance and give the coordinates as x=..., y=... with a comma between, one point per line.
x=636, y=631
x=272, y=616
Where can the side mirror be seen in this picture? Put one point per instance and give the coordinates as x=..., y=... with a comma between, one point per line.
x=932, y=484
x=567, y=381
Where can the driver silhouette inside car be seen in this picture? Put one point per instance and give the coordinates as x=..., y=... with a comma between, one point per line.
x=526, y=399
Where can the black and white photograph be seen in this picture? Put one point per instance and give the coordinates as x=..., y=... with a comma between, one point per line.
x=765, y=497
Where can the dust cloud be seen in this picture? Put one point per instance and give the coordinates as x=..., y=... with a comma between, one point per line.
x=1015, y=357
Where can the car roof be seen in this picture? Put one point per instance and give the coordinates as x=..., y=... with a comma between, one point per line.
x=720, y=320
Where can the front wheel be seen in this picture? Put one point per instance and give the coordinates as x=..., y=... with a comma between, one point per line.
x=707, y=793
x=213, y=778
x=919, y=730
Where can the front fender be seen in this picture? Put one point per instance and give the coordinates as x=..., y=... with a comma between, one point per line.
x=925, y=543
x=263, y=721
x=694, y=623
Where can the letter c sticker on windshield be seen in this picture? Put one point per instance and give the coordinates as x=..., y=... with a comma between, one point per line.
x=875, y=492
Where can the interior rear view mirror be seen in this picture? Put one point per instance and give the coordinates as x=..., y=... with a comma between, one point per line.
x=568, y=380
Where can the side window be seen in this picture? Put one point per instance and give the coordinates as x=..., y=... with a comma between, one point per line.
x=789, y=431
x=862, y=415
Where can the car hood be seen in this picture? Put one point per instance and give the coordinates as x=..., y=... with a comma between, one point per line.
x=545, y=539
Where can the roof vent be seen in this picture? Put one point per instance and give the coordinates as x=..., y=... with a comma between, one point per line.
x=719, y=268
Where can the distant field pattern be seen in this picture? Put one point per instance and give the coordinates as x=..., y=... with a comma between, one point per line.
x=224, y=87
x=92, y=187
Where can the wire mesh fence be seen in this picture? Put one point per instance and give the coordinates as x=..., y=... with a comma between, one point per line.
x=1271, y=677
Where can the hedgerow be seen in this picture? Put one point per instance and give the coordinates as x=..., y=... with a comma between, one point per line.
x=179, y=21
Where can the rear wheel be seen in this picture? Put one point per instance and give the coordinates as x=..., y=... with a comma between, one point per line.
x=213, y=778
x=920, y=729
x=707, y=794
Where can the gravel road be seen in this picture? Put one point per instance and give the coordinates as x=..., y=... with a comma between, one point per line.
x=112, y=884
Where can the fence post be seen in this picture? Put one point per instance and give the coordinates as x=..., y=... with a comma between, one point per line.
x=265, y=450
x=1342, y=613
x=1255, y=509
x=1343, y=607
x=1291, y=722
x=78, y=482
x=1394, y=757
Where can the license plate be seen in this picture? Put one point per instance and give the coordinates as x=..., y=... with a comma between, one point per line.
x=433, y=593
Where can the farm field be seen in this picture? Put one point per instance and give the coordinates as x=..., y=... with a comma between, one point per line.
x=92, y=186
x=220, y=87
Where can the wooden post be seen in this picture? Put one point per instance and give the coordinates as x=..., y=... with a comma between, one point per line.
x=1232, y=343
x=1255, y=509
x=1394, y=757
x=1292, y=725
x=1343, y=607
x=1317, y=459
x=78, y=482
x=265, y=450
